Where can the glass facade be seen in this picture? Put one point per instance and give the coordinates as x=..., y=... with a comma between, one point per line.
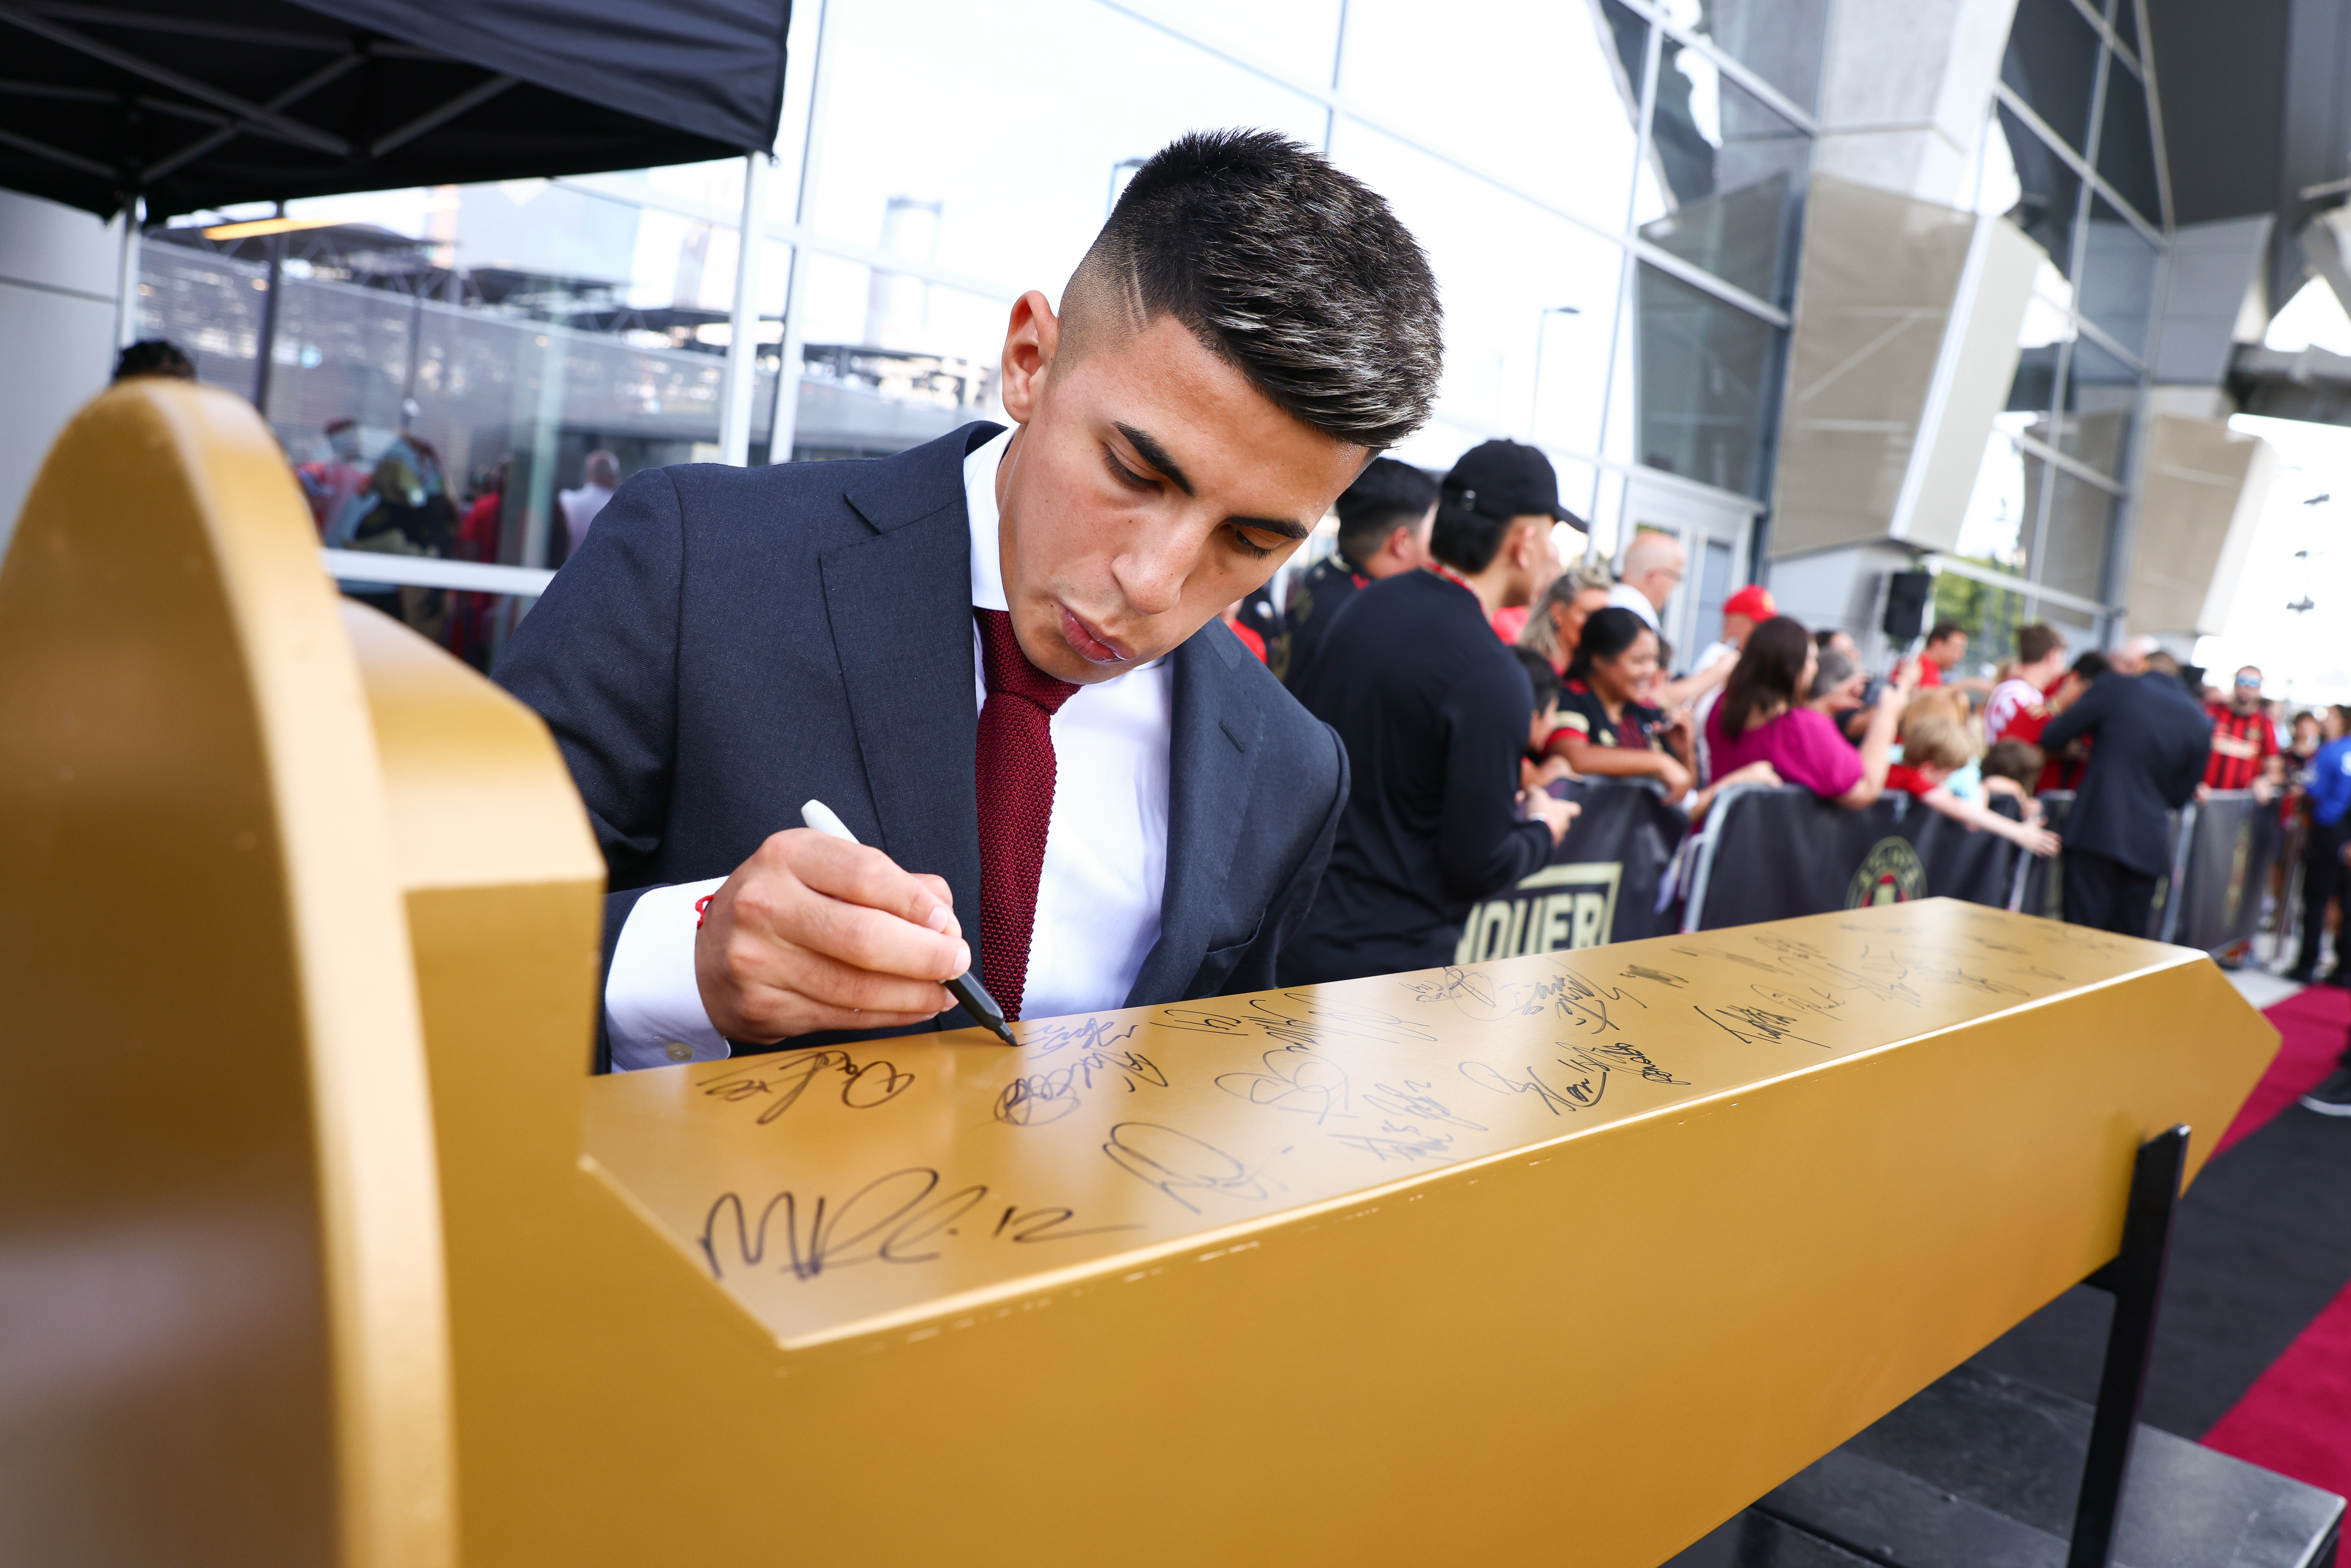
x=2072, y=154
x=1609, y=191
x=1612, y=193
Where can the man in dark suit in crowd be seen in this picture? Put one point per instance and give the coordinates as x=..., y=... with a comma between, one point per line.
x=2152, y=741
x=1435, y=711
x=1384, y=519
x=995, y=657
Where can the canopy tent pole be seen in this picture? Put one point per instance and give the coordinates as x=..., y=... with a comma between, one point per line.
x=803, y=95
x=265, y=340
x=126, y=274
x=743, y=331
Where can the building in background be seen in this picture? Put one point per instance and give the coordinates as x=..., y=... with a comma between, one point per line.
x=1829, y=288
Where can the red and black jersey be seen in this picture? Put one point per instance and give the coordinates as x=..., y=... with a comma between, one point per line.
x=1580, y=712
x=2243, y=743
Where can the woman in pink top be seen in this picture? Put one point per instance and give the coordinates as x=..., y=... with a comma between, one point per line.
x=1760, y=720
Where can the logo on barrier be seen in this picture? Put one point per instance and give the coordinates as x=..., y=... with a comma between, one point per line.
x=1889, y=873
x=1556, y=907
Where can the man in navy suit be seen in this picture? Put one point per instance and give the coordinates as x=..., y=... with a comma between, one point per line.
x=995, y=657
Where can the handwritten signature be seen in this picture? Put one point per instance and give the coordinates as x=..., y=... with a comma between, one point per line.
x=1294, y=1079
x=895, y=1219
x=1177, y=1162
x=1398, y=1142
x=1641, y=972
x=1755, y=1026
x=1041, y=1098
x=1304, y=1019
x=1568, y=994
x=785, y=1076
x=1581, y=1094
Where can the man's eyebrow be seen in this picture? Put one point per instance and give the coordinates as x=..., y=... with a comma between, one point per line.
x=1287, y=527
x=1156, y=455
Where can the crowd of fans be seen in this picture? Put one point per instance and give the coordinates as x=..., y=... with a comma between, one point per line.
x=1473, y=672
x=1459, y=751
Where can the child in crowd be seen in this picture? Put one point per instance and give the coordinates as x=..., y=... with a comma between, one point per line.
x=1536, y=768
x=1934, y=746
x=2013, y=768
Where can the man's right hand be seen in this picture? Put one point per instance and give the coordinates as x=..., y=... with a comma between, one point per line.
x=1553, y=813
x=813, y=934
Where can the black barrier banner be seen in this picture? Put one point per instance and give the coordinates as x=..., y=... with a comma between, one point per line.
x=2041, y=884
x=2230, y=843
x=1600, y=886
x=1771, y=854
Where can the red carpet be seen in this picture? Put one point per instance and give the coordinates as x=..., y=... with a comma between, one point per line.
x=2313, y=1022
x=2296, y=1418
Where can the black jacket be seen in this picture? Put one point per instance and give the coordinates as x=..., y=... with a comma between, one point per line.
x=729, y=642
x=1434, y=711
x=1314, y=600
x=2152, y=742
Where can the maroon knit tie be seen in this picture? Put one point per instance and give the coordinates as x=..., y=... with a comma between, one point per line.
x=1016, y=803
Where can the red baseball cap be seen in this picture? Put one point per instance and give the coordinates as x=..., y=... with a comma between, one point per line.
x=1754, y=601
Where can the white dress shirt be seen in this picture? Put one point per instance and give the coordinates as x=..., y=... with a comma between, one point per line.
x=1625, y=596
x=1098, y=898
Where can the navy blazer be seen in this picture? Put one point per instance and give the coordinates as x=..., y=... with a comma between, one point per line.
x=729, y=642
x=2152, y=739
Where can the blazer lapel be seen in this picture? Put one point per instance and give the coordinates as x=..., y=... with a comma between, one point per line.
x=900, y=605
x=1211, y=764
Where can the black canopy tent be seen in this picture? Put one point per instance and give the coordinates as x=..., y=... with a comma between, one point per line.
x=193, y=104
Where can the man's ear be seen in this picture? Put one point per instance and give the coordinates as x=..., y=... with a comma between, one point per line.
x=1030, y=340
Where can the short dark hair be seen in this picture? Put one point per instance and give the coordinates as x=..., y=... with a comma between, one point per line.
x=1466, y=540
x=1946, y=629
x=1539, y=675
x=2093, y=665
x=1607, y=635
x=2016, y=759
x=1387, y=495
x=155, y=357
x=2037, y=642
x=1295, y=273
x=1769, y=668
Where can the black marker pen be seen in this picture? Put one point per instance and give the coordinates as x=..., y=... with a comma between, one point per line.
x=965, y=988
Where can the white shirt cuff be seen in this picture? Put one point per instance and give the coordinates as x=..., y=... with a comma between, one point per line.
x=653, y=1004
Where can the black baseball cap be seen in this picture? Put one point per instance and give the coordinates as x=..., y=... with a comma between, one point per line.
x=1504, y=479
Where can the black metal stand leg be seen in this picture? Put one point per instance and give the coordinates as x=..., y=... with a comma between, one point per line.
x=2136, y=1280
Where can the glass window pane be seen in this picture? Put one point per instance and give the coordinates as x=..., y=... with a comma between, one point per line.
x=1544, y=98
x=899, y=128
x=2047, y=327
x=1779, y=40
x=1734, y=170
x=1997, y=529
x=2117, y=290
x=2127, y=144
x=1299, y=38
x=2125, y=20
x=1527, y=294
x=1706, y=373
x=2101, y=394
x=2073, y=546
x=2052, y=64
x=889, y=361
x=2050, y=193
